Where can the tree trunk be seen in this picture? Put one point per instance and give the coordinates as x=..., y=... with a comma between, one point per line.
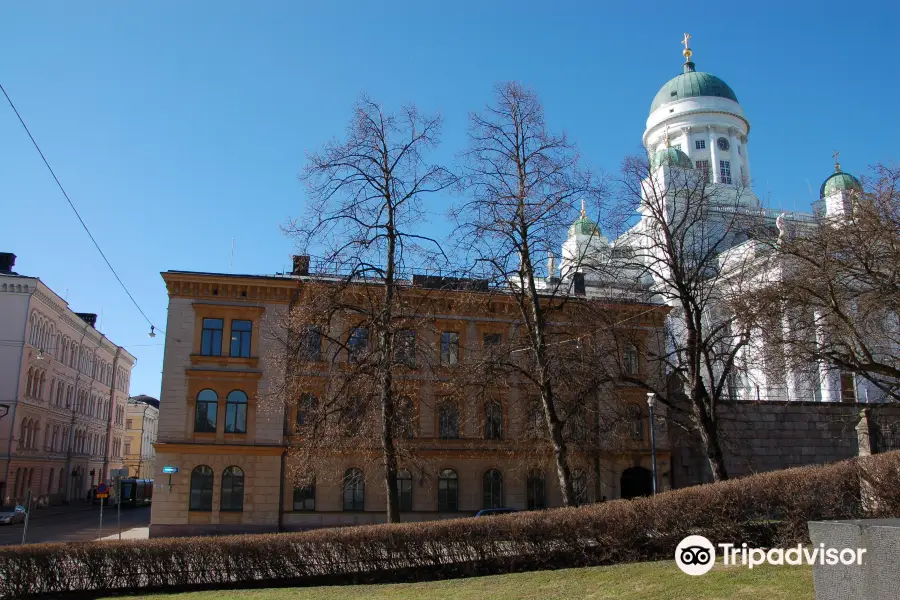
x=709, y=435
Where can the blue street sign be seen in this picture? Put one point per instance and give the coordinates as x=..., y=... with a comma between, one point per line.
x=101, y=488
x=170, y=470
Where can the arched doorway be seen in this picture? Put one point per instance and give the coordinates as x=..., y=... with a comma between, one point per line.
x=636, y=481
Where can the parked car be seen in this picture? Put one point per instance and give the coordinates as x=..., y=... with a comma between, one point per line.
x=490, y=512
x=16, y=515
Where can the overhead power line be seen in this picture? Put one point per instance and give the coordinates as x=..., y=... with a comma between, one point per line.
x=75, y=210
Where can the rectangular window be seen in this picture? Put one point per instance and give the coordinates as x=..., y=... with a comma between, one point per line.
x=405, y=347
x=241, y=332
x=128, y=447
x=128, y=424
x=305, y=497
x=848, y=388
x=490, y=341
x=211, y=338
x=677, y=146
x=311, y=344
x=404, y=491
x=449, y=348
x=357, y=344
x=703, y=165
x=700, y=144
x=724, y=171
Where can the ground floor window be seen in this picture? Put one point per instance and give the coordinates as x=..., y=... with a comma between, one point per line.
x=354, y=490
x=305, y=496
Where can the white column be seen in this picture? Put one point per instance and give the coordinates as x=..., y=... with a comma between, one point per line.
x=735, y=157
x=713, y=154
x=829, y=379
x=688, y=143
x=747, y=160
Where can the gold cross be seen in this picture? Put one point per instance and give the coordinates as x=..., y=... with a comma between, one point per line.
x=687, y=37
x=835, y=155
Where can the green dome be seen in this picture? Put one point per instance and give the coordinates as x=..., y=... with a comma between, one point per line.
x=584, y=226
x=839, y=181
x=672, y=157
x=692, y=84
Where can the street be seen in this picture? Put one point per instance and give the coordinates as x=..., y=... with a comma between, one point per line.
x=76, y=526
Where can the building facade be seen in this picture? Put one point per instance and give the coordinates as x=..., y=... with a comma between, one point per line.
x=64, y=390
x=141, y=427
x=231, y=445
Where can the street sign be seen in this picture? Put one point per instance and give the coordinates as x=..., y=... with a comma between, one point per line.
x=123, y=472
x=102, y=495
x=102, y=489
x=170, y=470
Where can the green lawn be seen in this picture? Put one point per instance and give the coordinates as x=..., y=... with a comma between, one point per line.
x=638, y=581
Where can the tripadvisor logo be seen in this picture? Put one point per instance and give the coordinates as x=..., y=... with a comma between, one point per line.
x=696, y=555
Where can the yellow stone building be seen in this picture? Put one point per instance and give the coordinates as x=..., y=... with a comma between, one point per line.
x=141, y=426
x=231, y=449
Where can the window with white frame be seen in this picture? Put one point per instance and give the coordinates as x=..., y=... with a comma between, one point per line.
x=700, y=144
x=725, y=171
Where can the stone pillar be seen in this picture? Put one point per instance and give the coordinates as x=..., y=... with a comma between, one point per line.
x=733, y=139
x=713, y=154
x=688, y=143
x=747, y=160
x=829, y=379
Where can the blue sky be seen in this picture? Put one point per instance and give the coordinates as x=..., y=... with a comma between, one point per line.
x=177, y=126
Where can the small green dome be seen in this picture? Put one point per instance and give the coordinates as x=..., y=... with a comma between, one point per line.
x=837, y=182
x=692, y=84
x=584, y=226
x=672, y=157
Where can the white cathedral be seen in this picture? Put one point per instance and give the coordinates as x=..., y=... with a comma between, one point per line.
x=696, y=127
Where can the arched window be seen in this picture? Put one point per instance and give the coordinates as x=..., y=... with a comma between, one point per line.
x=579, y=486
x=50, y=482
x=354, y=490
x=635, y=420
x=305, y=495
x=306, y=411
x=205, y=417
x=404, y=490
x=23, y=433
x=201, y=488
x=493, y=420
x=448, y=491
x=448, y=421
x=536, y=490
x=18, y=483
x=236, y=412
x=29, y=381
x=232, y=490
x=492, y=484
x=62, y=481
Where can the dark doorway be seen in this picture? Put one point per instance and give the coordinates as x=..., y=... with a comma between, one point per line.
x=636, y=481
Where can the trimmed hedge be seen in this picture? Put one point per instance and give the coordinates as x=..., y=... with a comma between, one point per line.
x=770, y=509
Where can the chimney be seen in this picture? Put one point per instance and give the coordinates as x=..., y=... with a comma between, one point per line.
x=301, y=265
x=7, y=262
x=578, y=281
x=89, y=318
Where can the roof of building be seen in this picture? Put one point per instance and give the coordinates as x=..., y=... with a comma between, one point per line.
x=144, y=399
x=672, y=157
x=691, y=84
x=838, y=181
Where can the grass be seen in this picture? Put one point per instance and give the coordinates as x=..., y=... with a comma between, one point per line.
x=636, y=581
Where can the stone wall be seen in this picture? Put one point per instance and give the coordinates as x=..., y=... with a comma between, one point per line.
x=766, y=436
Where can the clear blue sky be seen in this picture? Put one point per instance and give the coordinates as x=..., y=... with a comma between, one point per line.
x=177, y=126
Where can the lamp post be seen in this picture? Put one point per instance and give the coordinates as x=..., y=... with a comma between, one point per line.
x=651, y=402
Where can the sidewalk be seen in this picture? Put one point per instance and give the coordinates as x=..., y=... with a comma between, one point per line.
x=135, y=533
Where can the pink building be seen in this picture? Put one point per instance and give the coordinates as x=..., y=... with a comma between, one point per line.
x=63, y=393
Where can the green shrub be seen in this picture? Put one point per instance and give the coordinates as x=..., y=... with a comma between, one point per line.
x=767, y=509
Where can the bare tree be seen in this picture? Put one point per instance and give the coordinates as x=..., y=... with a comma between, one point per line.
x=363, y=216
x=687, y=224
x=523, y=184
x=839, y=281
